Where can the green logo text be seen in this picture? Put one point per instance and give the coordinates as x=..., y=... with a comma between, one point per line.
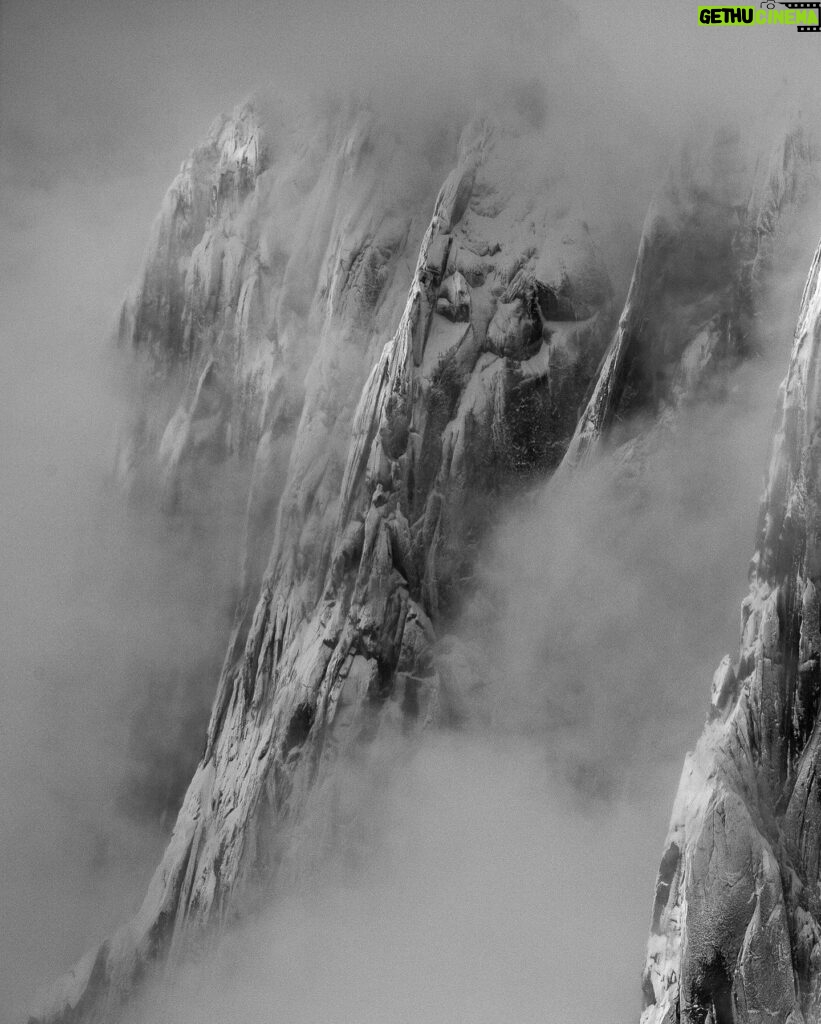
x=756, y=16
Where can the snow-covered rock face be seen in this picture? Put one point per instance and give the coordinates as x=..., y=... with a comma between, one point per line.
x=279, y=235
x=380, y=376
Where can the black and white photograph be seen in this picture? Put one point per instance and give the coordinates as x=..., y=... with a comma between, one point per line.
x=410, y=512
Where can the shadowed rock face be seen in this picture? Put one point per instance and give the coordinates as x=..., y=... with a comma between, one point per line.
x=380, y=378
x=713, y=236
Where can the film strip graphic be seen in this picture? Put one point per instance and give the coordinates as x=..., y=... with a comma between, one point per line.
x=801, y=7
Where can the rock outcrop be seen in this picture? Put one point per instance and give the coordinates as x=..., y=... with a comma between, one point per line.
x=378, y=380
x=713, y=239
x=270, y=288
x=735, y=930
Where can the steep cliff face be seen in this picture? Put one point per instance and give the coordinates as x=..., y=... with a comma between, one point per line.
x=735, y=933
x=715, y=240
x=281, y=234
x=735, y=926
x=269, y=281
x=378, y=379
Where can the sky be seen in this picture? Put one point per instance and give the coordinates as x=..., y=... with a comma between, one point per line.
x=100, y=100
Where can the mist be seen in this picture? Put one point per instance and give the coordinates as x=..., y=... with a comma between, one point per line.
x=483, y=870
x=502, y=867
x=605, y=602
x=113, y=620
x=472, y=889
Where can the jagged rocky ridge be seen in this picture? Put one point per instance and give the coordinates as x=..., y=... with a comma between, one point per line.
x=270, y=288
x=714, y=234
x=282, y=261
